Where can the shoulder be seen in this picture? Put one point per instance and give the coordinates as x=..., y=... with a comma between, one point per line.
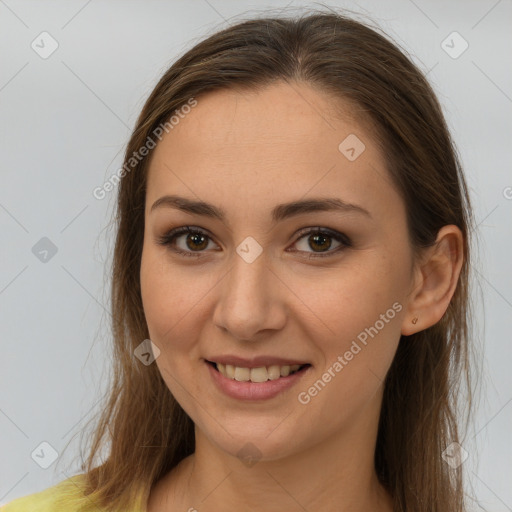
x=66, y=495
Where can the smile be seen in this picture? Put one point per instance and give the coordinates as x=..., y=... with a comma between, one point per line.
x=260, y=374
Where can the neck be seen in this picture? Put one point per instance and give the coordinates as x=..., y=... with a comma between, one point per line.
x=336, y=474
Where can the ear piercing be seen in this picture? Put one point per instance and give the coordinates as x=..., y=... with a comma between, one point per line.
x=414, y=320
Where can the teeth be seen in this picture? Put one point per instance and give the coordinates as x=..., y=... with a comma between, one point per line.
x=230, y=371
x=242, y=374
x=261, y=374
x=274, y=372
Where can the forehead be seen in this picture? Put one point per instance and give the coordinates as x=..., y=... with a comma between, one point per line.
x=230, y=120
x=262, y=146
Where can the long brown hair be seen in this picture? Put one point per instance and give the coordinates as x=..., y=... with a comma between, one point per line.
x=147, y=431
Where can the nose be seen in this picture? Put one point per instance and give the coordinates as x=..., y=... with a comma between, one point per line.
x=251, y=300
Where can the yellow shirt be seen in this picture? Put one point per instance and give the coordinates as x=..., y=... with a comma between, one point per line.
x=66, y=496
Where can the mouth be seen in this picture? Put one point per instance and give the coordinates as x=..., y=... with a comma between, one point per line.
x=260, y=374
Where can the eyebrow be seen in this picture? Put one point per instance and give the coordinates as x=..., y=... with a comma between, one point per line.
x=280, y=212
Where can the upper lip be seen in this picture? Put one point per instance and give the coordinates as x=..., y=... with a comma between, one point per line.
x=254, y=362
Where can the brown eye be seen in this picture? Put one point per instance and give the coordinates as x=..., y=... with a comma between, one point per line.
x=319, y=240
x=322, y=242
x=196, y=241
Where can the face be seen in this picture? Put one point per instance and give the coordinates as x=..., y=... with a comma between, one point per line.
x=259, y=284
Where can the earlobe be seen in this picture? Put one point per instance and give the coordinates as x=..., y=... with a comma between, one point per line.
x=438, y=277
x=408, y=329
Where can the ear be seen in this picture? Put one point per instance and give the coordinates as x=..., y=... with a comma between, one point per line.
x=435, y=281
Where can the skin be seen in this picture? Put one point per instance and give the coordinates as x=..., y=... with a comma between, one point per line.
x=246, y=152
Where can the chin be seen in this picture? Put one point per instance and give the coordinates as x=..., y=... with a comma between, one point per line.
x=255, y=444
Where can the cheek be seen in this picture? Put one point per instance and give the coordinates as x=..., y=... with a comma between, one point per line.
x=173, y=298
x=363, y=309
x=357, y=297
x=170, y=308
x=162, y=295
x=355, y=359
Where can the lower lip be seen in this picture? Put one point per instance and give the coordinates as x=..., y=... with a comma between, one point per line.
x=254, y=390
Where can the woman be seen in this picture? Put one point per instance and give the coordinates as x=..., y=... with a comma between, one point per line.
x=290, y=285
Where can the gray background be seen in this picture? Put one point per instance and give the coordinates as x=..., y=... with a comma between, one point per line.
x=64, y=121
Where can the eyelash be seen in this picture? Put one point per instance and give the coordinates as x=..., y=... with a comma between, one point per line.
x=169, y=238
